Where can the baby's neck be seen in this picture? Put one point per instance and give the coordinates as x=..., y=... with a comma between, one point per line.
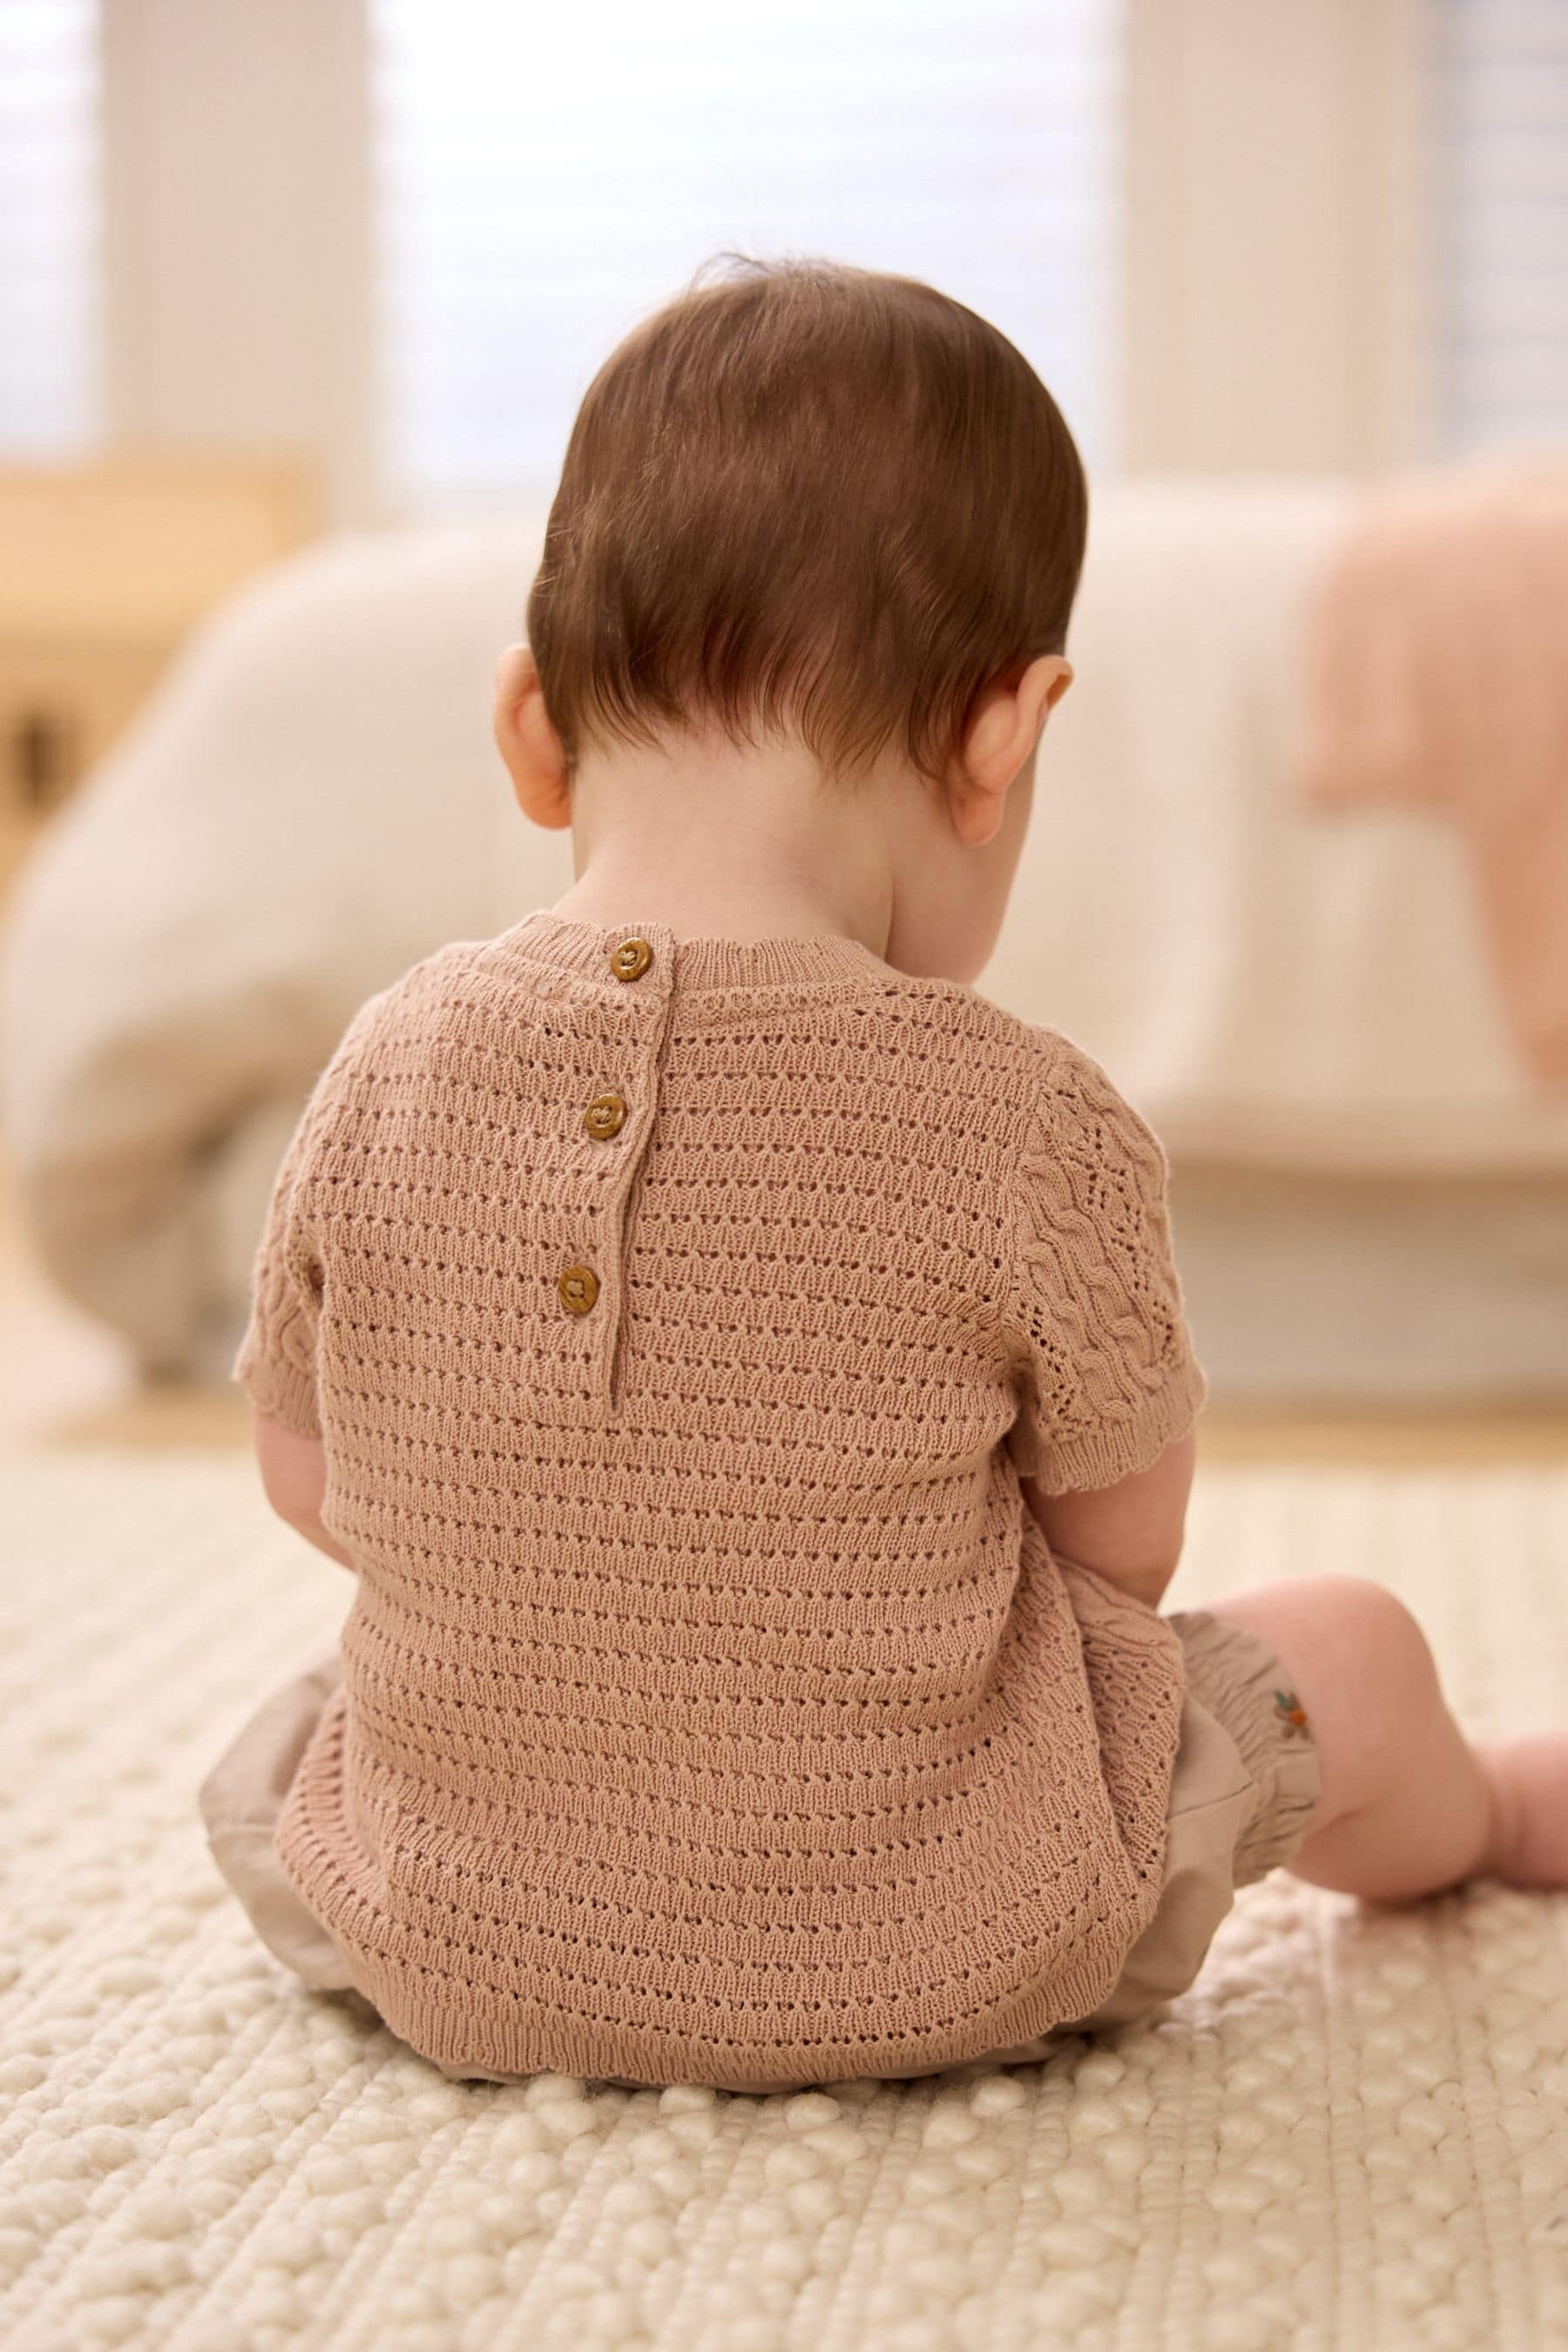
x=720, y=842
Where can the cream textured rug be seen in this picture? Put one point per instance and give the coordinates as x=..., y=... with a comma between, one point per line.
x=1353, y=2131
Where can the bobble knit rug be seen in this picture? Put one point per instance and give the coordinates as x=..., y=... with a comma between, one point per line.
x=1353, y=2132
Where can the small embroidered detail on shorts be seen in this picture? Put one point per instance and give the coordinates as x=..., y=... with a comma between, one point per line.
x=1290, y=1707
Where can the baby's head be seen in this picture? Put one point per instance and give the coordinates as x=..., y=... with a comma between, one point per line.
x=831, y=522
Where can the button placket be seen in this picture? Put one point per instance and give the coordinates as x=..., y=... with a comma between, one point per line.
x=617, y=1120
x=630, y=958
x=604, y=1116
x=579, y=1287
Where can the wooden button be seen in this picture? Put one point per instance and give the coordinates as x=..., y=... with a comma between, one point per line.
x=604, y=1116
x=631, y=958
x=579, y=1286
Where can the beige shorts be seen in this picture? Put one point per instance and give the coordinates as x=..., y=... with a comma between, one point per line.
x=1244, y=1780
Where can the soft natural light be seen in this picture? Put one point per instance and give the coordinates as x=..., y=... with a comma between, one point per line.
x=1504, y=126
x=48, y=226
x=546, y=177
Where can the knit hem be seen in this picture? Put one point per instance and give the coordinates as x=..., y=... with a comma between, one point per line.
x=511, y=2050
x=1116, y=1450
x=507, y=2037
x=279, y=1392
x=815, y=963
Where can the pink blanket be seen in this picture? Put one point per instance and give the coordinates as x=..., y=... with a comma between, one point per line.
x=1436, y=657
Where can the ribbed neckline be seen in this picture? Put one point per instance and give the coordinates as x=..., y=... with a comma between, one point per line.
x=821, y=959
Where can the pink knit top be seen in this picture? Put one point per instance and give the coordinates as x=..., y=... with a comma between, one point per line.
x=679, y=1316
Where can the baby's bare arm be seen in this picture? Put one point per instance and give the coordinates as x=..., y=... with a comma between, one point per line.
x=1130, y=1533
x=294, y=1475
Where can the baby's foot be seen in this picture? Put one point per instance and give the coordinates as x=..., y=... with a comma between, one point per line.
x=1529, y=1781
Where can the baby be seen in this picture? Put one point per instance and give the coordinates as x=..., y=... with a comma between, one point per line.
x=742, y=1367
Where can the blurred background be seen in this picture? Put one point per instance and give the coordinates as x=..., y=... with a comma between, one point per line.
x=297, y=302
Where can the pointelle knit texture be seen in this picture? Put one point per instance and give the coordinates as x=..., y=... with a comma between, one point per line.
x=680, y=1318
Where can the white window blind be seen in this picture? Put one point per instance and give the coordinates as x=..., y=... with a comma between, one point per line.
x=1503, y=153
x=48, y=226
x=544, y=177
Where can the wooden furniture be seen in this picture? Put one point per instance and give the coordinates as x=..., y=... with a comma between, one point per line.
x=104, y=567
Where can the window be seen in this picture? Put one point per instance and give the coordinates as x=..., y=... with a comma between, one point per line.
x=1503, y=242
x=544, y=177
x=48, y=226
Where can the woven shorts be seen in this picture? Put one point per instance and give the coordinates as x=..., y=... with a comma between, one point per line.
x=1244, y=1780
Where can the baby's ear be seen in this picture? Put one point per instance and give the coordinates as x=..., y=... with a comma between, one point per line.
x=1008, y=723
x=1051, y=675
x=527, y=742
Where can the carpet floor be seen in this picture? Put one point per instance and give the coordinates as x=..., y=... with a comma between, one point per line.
x=1351, y=2133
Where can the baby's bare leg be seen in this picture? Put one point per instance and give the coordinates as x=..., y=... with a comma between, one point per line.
x=1408, y=1804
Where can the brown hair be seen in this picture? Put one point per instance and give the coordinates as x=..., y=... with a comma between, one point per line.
x=807, y=497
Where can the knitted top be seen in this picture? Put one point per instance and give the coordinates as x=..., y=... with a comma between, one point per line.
x=679, y=1318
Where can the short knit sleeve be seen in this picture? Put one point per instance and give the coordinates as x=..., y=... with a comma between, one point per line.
x=276, y=1364
x=1109, y=1377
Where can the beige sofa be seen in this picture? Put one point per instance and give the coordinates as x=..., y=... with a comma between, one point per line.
x=1371, y=1200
